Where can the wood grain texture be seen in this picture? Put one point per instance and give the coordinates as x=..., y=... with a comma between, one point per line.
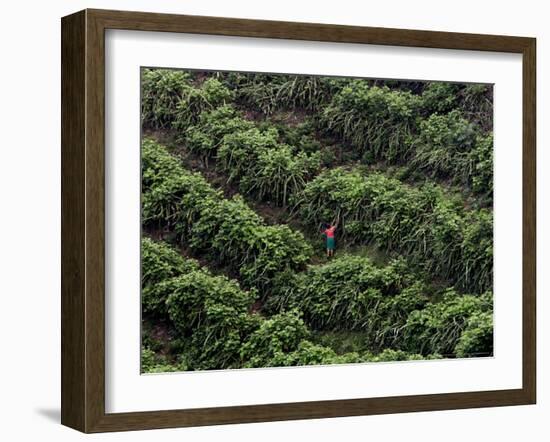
x=529, y=221
x=73, y=256
x=83, y=218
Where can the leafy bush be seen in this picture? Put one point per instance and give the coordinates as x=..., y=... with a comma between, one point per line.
x=205, y=137
x=276, y=337
x=154, y=363
x=268, y=93
x=443, y=145
x=424, y=224
x=477, y=337
x=239, y=150
x=375, y=120
x=194, y=101
x=351, y=293
x=157, y=165
x=440, y=327
x=279, y=173
x=476, y=102
x=228, y=230
x=440, y=97
x=161, y=91
x=211, y=312
x=476, y=252
x=481, y=165
x=159, y=262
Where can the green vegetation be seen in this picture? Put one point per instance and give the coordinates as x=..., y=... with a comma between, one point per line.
x=226, y=230
x=250, y=167
x=216, y=329
x=375, y=120
x=422, y=223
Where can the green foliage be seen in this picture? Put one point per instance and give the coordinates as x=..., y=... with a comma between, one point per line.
x=250, y=155
x=153, y=363
x=457, y=320
x=269, y=93
x=391, y=355
x=276, y=337
x=205, y=137
x=270, y=136
x=211, y=311
x=239, y=150
x=232, y=233
x=443, y=144
x=159, y=262
x=157, y=165
x=376, y=120
x=477, y=337
x=265, y=169
x=477, y=250
x=430, y=228
x=476, y=102
x=439, y=97
x=480, y=165
x=228, y=230
x=194, y=101
x=351, y=293
x=161, y=91
x=279, y=173
x=449, y=146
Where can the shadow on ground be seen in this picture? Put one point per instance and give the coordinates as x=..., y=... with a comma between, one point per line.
x=52, y=414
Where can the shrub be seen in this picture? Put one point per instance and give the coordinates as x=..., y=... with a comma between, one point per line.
x=439, y=327
x=228, y=230
x=443, y=145
x=279, y=173
x=480, y=170
x=159, y=262
x=268, y=93
x=157, y=165
x=424, y=224
x=161, y=91
x=194, y=101
x=477, y=337
x=477, y=250
x=351, y=293
x=376, y=120
x=211, y=312
x=205, y=137
x=239, y=150
x=234, y=234
x=271, y=343
x=440, y=97
x=476, y=102
x=153, y=363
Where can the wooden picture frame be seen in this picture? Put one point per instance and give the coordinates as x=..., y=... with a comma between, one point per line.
x=83, y=218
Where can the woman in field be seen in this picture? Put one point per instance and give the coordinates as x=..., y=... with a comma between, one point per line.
x=329, y=238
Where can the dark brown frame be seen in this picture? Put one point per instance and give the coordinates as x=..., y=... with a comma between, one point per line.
x=83, y=215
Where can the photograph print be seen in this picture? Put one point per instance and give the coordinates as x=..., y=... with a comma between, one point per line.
x=295, y=220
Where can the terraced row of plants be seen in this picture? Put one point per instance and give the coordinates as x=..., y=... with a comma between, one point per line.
x=431, y=229
x=440, y=132
x=226, y=230
x=267, y=304
x=386, y=125
x=423, y=223
x=377, y=302
x=215, y=329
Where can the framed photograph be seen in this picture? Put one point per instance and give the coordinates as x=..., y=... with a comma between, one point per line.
x=267, y=221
